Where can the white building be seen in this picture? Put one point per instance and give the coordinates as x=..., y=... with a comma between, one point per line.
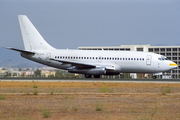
x=171, y=52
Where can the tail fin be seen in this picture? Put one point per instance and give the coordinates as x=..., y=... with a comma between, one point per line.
x=31, y=37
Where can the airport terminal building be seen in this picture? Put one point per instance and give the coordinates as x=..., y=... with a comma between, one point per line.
x=171, y=52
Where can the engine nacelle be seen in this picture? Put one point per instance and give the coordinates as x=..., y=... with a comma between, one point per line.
x=91, y=71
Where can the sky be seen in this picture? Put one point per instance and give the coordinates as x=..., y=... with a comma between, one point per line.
x=74, y=23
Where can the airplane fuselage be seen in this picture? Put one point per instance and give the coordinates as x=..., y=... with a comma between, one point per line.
x=116, y=61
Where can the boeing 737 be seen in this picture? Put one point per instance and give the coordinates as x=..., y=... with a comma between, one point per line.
x=88, y=62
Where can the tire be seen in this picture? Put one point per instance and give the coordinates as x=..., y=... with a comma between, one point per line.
x=88, y=76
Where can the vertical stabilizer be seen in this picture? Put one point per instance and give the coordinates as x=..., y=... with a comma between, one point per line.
x=31, y=37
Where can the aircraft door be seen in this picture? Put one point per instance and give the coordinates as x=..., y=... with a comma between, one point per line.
x=48, y=56
x=148, y=60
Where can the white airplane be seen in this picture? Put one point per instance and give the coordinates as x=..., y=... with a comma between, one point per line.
x=89, y=62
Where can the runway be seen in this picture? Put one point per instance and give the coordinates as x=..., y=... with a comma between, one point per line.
x=93, y=80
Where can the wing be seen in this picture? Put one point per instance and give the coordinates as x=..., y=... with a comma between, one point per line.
x=75, y=64
x=80, y=65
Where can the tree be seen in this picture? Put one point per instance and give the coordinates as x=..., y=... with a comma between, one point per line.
x=8, y=74
x=14, y=74
x=58, y=74
x=37, y=73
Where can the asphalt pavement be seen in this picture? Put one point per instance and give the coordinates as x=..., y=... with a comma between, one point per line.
x=94, y=80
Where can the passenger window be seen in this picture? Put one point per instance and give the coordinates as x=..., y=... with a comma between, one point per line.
x=143, y=59
x=120, y=59
x=134, y=58
x=107, y=58
x=112, y=58
x=137, y=58
x=60, y=57
x=117, y=58
x=96, y=58
x=128, y=58
x=87, y=57
x=140, y=59
x=131, y=58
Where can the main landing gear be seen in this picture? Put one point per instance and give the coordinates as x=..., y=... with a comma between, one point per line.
x=90, y=76
x=154, y=77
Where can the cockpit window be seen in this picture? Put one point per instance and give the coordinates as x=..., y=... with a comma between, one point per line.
x=162, y=58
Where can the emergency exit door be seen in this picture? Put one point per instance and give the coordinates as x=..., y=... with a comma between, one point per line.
x=148, y=60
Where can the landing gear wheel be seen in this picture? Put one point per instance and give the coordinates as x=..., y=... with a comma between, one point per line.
x=154, y=77
x=97, y=76
x=88, y=76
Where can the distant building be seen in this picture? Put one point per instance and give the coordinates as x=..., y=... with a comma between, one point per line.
x=171, y=52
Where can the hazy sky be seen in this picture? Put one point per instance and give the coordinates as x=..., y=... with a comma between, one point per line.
x=74, y=23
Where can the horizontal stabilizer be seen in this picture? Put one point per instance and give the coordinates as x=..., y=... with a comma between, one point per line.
x=22, y=51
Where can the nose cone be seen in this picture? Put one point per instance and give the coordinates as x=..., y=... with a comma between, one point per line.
x=173, y=65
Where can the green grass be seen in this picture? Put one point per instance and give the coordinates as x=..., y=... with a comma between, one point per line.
x=52, y=92
x=59, y=91
x=21, y=91
x=146, y=113
x=46, y=113
x=75, y=108
x=65, y=107
x=99, y=106
x=2, y=97
x=35, y=92
x=35, y=86
x=106, y=90
x=66, y=96
x=13, y=91
x=27, y=93
x=166, y=90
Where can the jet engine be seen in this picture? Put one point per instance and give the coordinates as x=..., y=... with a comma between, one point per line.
x=90, y=71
